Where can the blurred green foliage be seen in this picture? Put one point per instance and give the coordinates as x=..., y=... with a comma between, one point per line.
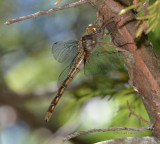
x=147, y=11
x=92, y=101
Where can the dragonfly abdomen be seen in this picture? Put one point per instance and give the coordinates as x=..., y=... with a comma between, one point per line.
x=78, y=65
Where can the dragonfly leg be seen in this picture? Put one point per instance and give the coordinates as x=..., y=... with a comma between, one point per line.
x=104, y=35
x=107, y=44
x=111, y=20
x=125, y=20
x=119, y=47
x=113, y=45
x=108, y=52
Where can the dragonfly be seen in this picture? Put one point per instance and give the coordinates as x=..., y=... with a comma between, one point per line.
x=82, y=51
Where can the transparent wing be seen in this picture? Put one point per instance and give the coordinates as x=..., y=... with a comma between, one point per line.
x=65, y=51
x=100, y=62
x=65, y=72
x=95, y=64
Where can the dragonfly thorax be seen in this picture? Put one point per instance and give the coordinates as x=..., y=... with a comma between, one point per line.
x=88, y=42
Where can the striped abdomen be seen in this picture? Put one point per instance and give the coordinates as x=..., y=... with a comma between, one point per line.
x=77, y=67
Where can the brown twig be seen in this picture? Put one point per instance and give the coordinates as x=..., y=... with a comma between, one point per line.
x=104, y=130
x=11, y=21
x=139, y=117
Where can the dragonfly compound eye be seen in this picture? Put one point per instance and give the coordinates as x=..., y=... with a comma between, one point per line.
x=92, y=28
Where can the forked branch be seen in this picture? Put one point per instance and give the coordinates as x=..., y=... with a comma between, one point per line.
x=11, y=21
x=133, y=113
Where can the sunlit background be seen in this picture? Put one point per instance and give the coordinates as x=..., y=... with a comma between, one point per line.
x=29, y=74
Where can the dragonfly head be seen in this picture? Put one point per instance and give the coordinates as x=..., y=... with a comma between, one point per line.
x=93, y=28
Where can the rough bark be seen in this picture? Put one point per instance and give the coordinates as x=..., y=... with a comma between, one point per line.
x=137, y=53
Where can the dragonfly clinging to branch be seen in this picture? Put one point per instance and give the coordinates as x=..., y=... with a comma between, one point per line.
x=82, y=51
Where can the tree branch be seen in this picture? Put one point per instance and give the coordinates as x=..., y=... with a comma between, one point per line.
x=105, y=130
x=11, y=21
x=133, y=113
x=142, y=65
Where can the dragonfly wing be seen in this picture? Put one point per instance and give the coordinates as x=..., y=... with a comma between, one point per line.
x=65, y=72
x=100, y=62
x=94, y=65
x=65, y=51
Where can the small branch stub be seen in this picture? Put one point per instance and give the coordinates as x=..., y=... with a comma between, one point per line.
x=133, y=113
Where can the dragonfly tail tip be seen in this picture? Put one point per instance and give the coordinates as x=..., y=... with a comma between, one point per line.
x=47, y=117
